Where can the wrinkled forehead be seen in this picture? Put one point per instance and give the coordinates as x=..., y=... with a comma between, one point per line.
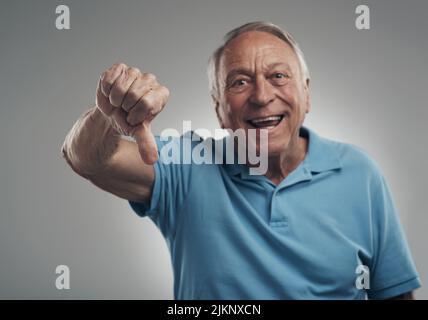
x=256, y=48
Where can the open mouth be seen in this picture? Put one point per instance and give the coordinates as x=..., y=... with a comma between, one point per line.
x=267, y=122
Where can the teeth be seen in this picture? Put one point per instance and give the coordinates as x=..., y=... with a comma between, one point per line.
x=273, y=118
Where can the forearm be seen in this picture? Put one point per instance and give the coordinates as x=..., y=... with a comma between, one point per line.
x=91, y=143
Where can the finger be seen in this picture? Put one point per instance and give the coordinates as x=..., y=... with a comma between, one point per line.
x=121, y=86
x=146, y=143
x=139, y=87
x=148, y=106
x=119, y=116
x=102, y=102
x=109, y=76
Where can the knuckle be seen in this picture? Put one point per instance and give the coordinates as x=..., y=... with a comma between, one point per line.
x=150, y=76
x=107, y=82
x=165, y=91
x=111, y=72
x=134, y=71
x=152, y=112
x=119, y=65
x=108, y=79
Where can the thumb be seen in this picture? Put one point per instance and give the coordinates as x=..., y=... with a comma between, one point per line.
x=146, y=143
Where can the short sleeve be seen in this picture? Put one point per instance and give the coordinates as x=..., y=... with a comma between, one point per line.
x=170, y=186
x=393, y=272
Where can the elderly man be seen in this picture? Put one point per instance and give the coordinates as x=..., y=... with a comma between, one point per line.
x=319, y=224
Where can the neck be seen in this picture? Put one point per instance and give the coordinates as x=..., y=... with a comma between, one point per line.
x=281, y=165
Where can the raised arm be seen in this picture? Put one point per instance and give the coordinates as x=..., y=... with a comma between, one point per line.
x=127, y=100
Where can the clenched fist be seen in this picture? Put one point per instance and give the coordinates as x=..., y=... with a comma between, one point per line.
x=132, y=99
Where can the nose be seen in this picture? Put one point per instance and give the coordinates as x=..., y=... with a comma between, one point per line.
x=263, y=92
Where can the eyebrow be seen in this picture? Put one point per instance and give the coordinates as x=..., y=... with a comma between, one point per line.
x=248, y=72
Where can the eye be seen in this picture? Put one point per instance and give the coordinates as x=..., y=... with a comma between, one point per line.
x=280, y=78
x=239, y=83
x=280, y=75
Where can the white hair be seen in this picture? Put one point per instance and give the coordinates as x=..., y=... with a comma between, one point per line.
x=214, y=61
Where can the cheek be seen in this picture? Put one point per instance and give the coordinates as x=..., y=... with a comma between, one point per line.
x=289, y=94
x=236, y=104
x=295, y=98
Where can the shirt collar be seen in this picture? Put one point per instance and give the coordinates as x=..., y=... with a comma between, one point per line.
x=322, y=153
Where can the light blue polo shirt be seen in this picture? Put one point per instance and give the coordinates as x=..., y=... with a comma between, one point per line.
x=232, y=235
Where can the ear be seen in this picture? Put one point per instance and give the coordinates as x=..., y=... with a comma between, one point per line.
x=218, y=111
x=307, y=96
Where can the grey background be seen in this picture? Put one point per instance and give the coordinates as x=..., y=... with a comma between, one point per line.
x=369, y=88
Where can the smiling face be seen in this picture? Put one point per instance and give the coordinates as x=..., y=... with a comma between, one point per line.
x=261, y=86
